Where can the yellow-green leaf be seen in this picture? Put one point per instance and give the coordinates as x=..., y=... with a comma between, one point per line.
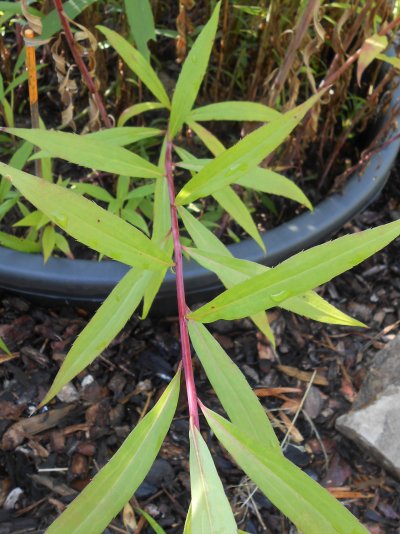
x=137, y=63
x=86, y=221
x=232, y=271
x=308, y=505
x=114, y=485
x=244, y=156
x=192, y=74
x=88, y=152
x=107, y=322
x=234, y=111
x=211, y=512
x=298, y=274
x=137, y=109
x=231, y=387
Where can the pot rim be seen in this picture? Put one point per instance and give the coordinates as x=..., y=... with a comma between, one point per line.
x=87, y=282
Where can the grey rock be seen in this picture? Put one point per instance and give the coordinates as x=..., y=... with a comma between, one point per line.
x=383, y=372
x=374, y=421
x=376, y=428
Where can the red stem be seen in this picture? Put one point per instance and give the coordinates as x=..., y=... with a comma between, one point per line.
x=180, y=293
x=81, y=64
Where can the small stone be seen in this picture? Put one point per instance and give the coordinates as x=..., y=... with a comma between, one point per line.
x=86, y=381
x=376, y=428
x=313, y=403
x=68, y=393
x=374, y=421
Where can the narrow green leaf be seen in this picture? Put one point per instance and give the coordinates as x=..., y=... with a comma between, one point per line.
x=234, y=111
x=113, y=486
x=211, y=512
x=87, y=222
x=273, y=183
x=48, y=241
x=188, y=523
x=192, y=75
x=82, y=150
x=233, y=204
x=307, y=504
x=137, y=63
x=137, y=109
x=213, y=144
x=204, y=239
x=19, y=243
x=161, y=226
x=231, y=387
x=123, y=136
x=297, y=275
x=141, y=23
x=232, y=271
x=4, y=347
x=94, y=191
x=100, y=331
x=260, y=179
x=313, y=306
x=244, y=156
x=152, y=522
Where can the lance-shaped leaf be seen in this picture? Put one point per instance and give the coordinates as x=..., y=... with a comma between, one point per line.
x=192, y=74
x=152, y=522
x=298, y=274
x=234, y=111
x=141, y=24
x=244, y=156
x=88, y=223
x=137, y=63
x=233, y=204
x=370, y=49
x=232, y=271
x=230, y=385
x=124, y=135
x=19, y=243
x=161, y=226
x=137, y=109
x=311, y=508
x=210, y=509
x=100, y=331
x=113, y=486
x=187, y=529
x=4, y=347
x=273, y=183
x=205, y=239
x=87, y=152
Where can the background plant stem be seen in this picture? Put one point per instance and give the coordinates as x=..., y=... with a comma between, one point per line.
x=180, y=292
x=81, y=64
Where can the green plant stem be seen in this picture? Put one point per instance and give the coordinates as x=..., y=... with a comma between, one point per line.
x=180, y=293
x=81, y=64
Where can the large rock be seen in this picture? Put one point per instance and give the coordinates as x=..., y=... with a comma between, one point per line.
x=374, y=421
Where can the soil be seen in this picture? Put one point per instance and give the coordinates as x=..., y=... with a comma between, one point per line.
x=51, y=462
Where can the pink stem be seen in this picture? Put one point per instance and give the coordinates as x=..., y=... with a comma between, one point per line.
x=81, y=64
x=180, y=293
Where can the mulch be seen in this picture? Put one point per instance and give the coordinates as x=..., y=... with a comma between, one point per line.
x=47, y=458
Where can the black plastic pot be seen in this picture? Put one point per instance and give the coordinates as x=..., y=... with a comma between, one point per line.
x=84, y=282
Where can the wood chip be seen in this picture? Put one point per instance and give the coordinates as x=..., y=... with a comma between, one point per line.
x=304, y=376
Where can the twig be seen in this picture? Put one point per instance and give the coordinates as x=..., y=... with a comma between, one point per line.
x=81, y=64
x=298, y=410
